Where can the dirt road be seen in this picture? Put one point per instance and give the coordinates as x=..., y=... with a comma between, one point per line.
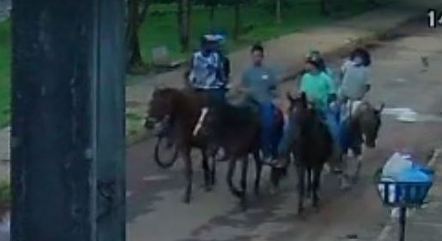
x=156, y=213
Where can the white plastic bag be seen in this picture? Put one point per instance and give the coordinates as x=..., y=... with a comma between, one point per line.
x=396, y=165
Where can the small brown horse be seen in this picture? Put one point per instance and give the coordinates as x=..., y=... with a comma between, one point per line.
x=237, y=129
x=364, y=123
x=181, y=109
x=312, y=146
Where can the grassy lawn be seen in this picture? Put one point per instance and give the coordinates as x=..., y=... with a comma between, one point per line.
x=5, y=60
x=160, y=27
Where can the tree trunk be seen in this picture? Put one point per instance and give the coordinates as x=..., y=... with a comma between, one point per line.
x=212, y=16
x=278, y=14
x=324, y=8
x=237, y=20
x=135, y=59
x=135, y=20
x=184, y=14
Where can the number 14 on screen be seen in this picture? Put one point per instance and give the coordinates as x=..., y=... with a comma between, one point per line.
x=434, y=18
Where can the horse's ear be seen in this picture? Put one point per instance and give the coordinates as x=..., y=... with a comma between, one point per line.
x=304, y=99
x=290, y=97
x=381, y=108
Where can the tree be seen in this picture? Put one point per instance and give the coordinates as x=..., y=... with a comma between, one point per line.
x=184, y=13
x=237, y=20
x=278, y=14
x=324, y=5
x=212, y=4
x=137, y=11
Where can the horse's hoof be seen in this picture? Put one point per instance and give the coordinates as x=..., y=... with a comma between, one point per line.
x=186, y=200
x=355, y=179
x=301, y=215
x=316, y=207
x=273, y=190
x=244, y=205
x=344, y=186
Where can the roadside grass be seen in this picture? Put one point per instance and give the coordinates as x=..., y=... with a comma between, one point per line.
x=5, y=83
x=258, y=24
x=5, y=195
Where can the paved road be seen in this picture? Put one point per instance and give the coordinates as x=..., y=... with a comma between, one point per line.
x=156, y=213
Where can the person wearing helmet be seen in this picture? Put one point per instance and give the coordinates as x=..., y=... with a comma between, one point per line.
x=315, y=83
x=315, y=55
x=206, y=73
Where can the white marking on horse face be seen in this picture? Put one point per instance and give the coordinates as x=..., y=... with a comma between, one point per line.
x=201, y=118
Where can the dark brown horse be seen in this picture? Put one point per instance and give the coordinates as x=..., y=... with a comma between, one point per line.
x=312, y=146
x=237, y=129
x=180, y=110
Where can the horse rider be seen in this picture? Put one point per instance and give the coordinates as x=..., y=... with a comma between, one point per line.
x=207, y=73
x=259, y=84
x=317, y=85
x=355, y=82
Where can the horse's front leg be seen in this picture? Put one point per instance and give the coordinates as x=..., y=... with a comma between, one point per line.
x=258, y=169
x=309, y=182
x=213, y=172
x=358, y=168
x=230, y=171
x=316, y=183
x=344, y=176
x=245, y=168
x=358, y=156
x=206, y=169
x=188, y=174
x=301, y=188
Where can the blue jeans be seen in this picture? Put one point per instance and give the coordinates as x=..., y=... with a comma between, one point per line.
x=288, y=137
x=270, y=134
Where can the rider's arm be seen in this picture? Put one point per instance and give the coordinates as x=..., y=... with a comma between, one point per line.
x=368, y=79
x=188, y=78
x=273, y=85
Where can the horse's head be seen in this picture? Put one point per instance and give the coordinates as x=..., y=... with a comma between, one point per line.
x=299, y=108
x=161, y=107
x=297, y=103
x=369, y=120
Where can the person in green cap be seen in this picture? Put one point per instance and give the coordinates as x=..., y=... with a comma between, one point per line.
x=316, y=55
x=315, y=83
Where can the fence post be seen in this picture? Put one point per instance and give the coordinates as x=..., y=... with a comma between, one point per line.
x=67, y=133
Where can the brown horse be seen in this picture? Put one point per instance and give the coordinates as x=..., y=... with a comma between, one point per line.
x=237, y=129
x=180, y=110
x=312, y=146
x=364, y=123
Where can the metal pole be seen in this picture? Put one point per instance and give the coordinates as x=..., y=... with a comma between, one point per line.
x=67, y=136
x=402, y=223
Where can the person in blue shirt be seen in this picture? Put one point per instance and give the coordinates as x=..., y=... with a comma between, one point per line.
x=206, y=73
x=259, y=84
